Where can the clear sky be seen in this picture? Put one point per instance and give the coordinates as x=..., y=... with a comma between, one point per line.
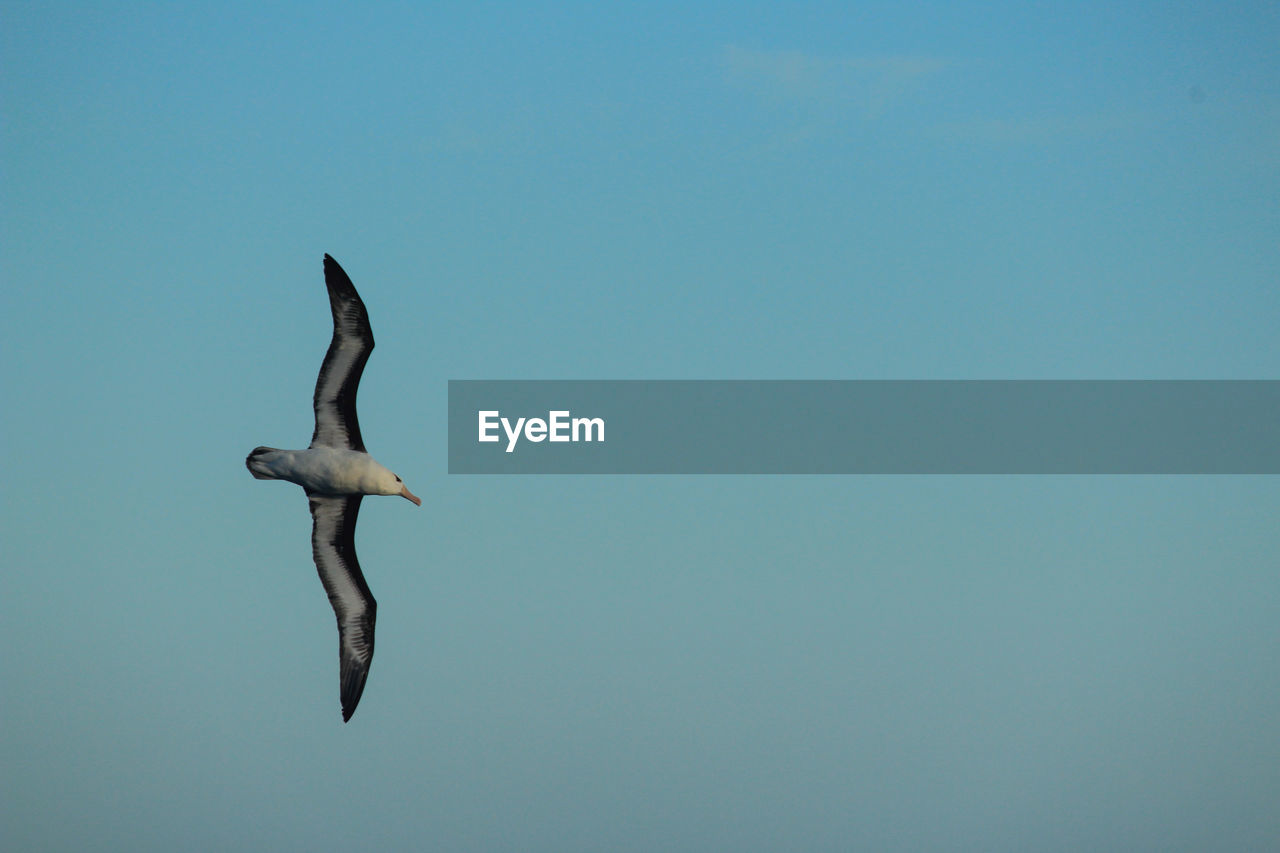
x=597, y=191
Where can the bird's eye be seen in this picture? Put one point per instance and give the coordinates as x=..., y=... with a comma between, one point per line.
x=398, y=480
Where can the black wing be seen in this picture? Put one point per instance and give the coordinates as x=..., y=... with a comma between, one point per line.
x=335, y=398
x=333, y=545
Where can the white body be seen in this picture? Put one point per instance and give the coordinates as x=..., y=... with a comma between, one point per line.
x=326, y=471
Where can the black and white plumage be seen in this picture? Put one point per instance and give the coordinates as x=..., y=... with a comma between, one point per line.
x=337, y=473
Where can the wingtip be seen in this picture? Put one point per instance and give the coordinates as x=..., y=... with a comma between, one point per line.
x=349, y=704
x=353, y=678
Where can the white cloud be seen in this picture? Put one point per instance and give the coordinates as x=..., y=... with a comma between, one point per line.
x=868, y=84
x=1042, y=129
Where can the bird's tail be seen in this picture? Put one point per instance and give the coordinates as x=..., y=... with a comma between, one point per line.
x=258, y=463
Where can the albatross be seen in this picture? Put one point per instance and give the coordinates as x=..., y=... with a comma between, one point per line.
x=337, y=472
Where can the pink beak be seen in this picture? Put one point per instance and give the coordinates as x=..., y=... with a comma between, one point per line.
x=408, y=495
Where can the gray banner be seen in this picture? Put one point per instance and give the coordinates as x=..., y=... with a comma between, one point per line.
x=864, y=427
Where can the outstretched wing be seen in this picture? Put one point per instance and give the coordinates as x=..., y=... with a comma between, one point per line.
x=335, y=398
x=333, y=529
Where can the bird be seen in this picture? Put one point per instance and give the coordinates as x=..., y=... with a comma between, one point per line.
x=337, y=472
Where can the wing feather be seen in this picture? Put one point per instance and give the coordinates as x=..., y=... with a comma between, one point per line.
x=339, y=379
x=333, y=546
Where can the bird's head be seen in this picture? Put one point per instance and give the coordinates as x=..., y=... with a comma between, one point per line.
x=403, y=491
x=385, y=482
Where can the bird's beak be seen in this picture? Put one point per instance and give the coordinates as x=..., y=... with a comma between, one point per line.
x=408, y=495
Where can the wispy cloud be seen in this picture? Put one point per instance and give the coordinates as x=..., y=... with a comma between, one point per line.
x=1035, y=130
x=867, y=84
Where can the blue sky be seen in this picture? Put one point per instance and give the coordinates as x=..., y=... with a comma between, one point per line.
x=629, y=191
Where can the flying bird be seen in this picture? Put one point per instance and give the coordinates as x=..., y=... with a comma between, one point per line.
x=337, y=472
